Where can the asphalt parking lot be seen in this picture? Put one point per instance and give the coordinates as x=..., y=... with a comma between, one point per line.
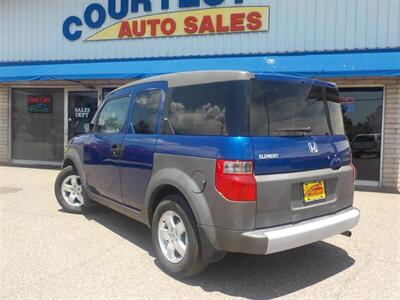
x=49, y=254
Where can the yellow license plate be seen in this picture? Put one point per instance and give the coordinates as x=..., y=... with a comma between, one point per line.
x=313, y=191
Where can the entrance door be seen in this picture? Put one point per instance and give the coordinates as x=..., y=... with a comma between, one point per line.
x=81, y=108
x=362, y=113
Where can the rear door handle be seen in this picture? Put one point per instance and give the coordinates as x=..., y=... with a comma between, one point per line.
x=117, y=150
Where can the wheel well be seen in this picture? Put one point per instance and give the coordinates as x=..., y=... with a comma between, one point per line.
x=68, y=162
x=158, y=195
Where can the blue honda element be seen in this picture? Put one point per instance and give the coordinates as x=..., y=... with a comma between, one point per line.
x=217, y=162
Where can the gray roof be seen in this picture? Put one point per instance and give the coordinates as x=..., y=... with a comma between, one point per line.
x=194, y=77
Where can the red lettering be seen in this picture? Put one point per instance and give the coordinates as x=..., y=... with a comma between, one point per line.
x=220, y=24
x=124, y=30
x=136, y=31
x=254, y=20
x=44, y=99
x=237, y=21
x=39, y=99
x=206, y=25
x=153, y=26
x=191, y=25
x=168, y=26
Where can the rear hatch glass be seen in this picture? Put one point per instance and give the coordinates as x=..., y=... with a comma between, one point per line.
x=296, y=125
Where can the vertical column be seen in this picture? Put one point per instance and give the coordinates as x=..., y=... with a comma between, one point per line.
x=4, y=125
x=391, y=150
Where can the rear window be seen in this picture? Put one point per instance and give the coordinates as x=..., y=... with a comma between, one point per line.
x=219, y=109
x=291, y=108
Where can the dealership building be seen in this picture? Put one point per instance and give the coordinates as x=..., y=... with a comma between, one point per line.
x=59, y=59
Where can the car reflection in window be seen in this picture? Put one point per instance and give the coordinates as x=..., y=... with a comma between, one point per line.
x=208, y=116
x=145, y=111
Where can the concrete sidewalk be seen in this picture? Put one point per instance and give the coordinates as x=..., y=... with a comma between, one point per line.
x=46, y=253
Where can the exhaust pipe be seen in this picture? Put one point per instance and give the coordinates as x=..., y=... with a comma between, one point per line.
x=347, y=233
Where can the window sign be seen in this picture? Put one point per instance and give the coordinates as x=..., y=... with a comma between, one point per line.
x=347, y=103
x=82, y=112
x=39, y=104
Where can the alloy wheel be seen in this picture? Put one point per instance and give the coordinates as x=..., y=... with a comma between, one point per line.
x=172, y=236
x=71, y=189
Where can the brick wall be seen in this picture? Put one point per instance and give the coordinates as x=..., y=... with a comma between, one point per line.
x=391, y=137
x=4, y=157
x=391, y=150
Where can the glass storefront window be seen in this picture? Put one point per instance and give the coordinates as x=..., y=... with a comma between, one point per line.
x=362, y=113
x=37, y=124
x=82, y=106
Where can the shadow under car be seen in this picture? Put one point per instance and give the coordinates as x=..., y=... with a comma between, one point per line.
x=242, y=275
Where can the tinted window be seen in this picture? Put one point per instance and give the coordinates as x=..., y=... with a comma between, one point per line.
x=362, y=112
x=145, y=111
x=287, y=108
x=208, y=109
x=113, y=115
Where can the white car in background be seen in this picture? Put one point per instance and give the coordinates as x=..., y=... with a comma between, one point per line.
x=366, y=144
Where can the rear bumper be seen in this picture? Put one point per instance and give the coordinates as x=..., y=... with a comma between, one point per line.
x=280, y=238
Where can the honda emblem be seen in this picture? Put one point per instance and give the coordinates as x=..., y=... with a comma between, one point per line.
x=313, y=147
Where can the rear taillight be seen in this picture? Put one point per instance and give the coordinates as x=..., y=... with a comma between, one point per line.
x=235, y=180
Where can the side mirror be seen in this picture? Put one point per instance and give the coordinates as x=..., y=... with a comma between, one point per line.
x=91, y=127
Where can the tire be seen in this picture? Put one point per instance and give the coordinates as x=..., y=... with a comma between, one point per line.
x=189, y=264
x=78, y=203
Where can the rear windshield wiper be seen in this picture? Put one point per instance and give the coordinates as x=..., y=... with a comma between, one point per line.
x=299, y=129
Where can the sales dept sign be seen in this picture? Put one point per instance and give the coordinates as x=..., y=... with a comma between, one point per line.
x=212, y=20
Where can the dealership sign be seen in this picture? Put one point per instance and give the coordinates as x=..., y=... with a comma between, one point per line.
x=39, y=104
x=211, y=20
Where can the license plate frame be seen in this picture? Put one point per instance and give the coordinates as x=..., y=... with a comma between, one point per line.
x=313, y=191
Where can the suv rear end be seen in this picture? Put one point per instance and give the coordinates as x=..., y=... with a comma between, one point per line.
x=301, y=148
x=301, y=177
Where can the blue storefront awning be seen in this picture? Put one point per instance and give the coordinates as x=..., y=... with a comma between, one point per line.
x=339, y=64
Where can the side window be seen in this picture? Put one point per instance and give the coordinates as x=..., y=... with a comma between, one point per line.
x=113, y=115
x=218, y=109
x=145, y=110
